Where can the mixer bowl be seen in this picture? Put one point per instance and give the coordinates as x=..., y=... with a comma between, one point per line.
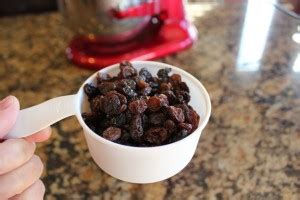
x=94, y=18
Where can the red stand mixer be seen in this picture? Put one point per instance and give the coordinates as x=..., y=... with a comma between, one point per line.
x=125, y=30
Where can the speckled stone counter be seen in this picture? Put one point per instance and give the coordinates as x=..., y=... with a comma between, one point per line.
x=251, y=146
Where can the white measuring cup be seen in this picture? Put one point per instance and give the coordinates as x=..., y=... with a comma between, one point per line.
x=127, y=163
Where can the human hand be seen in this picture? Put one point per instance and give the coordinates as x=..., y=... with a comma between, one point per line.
x=20, y=169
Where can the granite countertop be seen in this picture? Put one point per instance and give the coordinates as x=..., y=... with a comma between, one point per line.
x=250, y=66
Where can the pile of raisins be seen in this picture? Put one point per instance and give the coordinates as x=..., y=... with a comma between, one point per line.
x=137, y=109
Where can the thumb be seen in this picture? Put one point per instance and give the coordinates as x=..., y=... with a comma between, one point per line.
x=9, y=110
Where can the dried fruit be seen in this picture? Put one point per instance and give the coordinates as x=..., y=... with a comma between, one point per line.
x=194, y=119
x=137, y=106
x=92, y=119
x=157, y=118
x=113, y=103
x=136, y=128
x=156, y=102
x=175, y=78
x=96, y=104
x=90, y=90
x=102, y=77
x=124, y=137
x=146, y=91
x=182, y=96
x=176, y=114
x=141, y=84
x=156, y=135
x=127, y=82
x=170, y=126
x=126, y=89
x=118, y=120
x=163, y=74
x=105, y=87
x=185, y=126
x=145, y=74
x=126, y=70
x=139, y=109
x=112, y=133
x=171, y=96
x=183, y=86
x=165, y=86
x=154, y=83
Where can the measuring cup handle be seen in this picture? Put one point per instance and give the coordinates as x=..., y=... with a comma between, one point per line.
x=36, y=118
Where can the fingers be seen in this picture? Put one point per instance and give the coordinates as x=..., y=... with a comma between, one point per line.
x=18, y=180
x=9, y=109
x=34, y=192
x=19, y=168
x=40, y=136
x=14, y=153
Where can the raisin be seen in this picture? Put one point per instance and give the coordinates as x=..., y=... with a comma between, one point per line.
x=136, y=128
x=87, y=116
x=141, y=84
x=183, y=86
x=170, y=126
x=127, y=82
x=157, y=118
x=122, y=98
x=156, y=102
x=92, y=119
x=183, y=133
x=137, y=106
x=96, y=104
x=185, y=126
x=145, y=74
x=171, y=96
x=128, y=116
x=90, y=90
x=105, y=87
x=175, y=78
x=182, y=96
x=90, y=116
x=125, y=63
x=163, y=99
x=118, y=120
x=105, y=122
x=126, y=90
x=145, y=121
x=102, y=77
x=127, y=87
x=165, y=86
x=124, y=137
x=113, y=103
x=176, y=114
x=185, y=109
x=154, y=84
x=126, y=70
x=112, y=133
x=194, y=119
x=146, y=91
x=178, y=136
x=163, y=74
x=156, y=135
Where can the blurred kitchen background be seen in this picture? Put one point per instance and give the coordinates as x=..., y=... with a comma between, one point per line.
x=13, y=7
x=119, y=30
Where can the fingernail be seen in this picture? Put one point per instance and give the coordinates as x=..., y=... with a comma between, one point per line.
x=6, y=102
